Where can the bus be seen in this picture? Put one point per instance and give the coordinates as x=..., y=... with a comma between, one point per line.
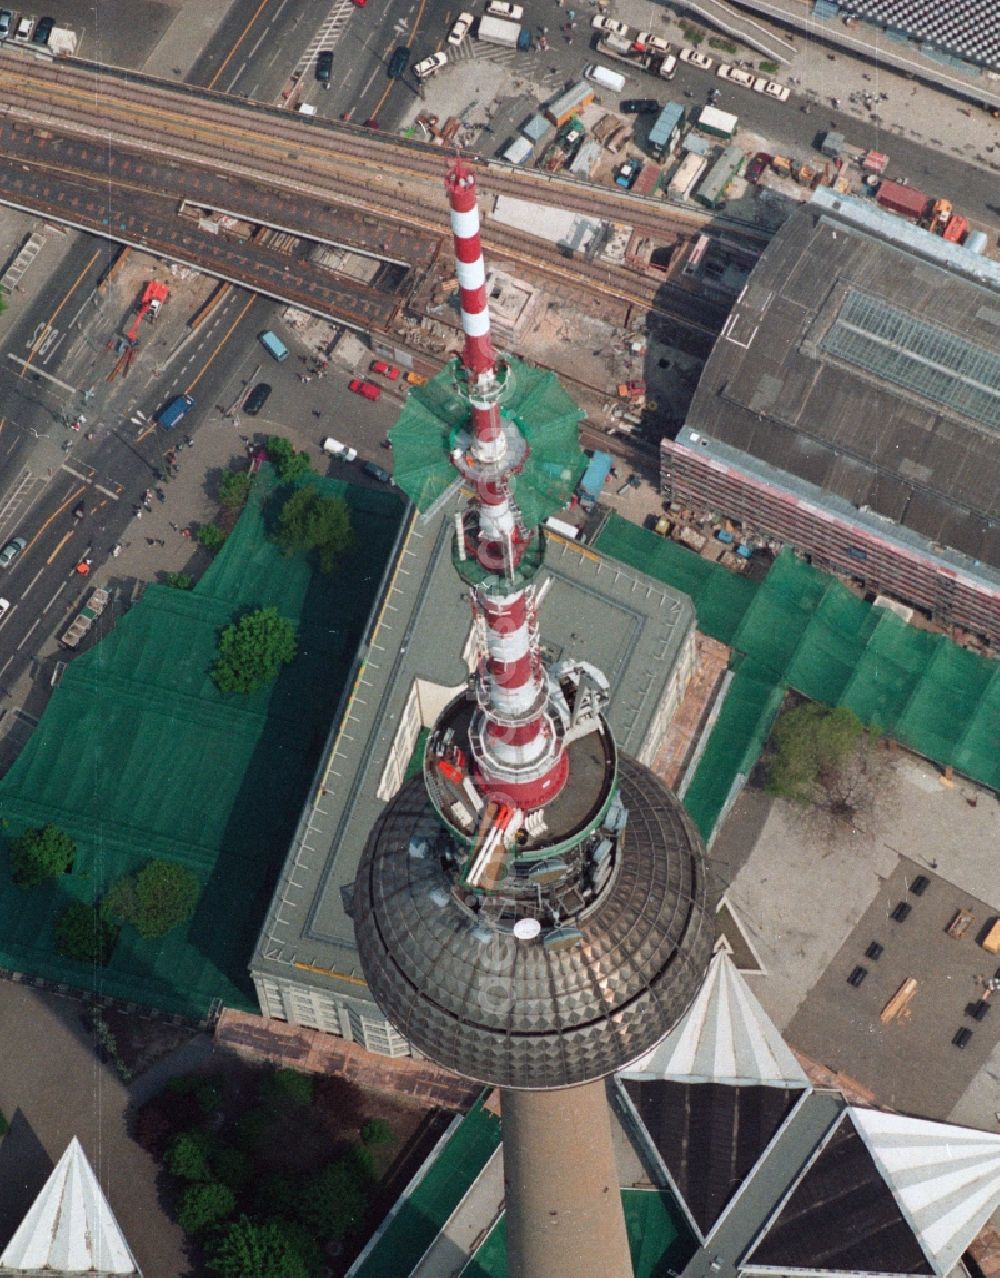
x=273, y=345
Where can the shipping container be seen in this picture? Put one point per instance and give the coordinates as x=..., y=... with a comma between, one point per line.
x=566, y=105
x=499, y=31
x=648, y=180
x=687, y=175
x=720, y=124
x=666, y=130
x=909, y=201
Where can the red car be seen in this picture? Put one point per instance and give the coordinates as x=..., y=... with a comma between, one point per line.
x=757, y=166
x=368, y=390
x=361, y=3
x=387, y=370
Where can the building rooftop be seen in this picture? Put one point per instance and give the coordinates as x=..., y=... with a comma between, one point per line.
x=411, y=663
x=867, y=367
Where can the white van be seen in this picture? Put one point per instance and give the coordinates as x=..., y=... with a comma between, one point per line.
x=503, y=9
x=605, y=77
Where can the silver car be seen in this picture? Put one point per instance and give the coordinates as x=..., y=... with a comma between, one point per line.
x=11, y=551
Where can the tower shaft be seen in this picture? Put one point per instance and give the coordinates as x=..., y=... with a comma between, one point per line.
x=563, y=1203
x=518, y=753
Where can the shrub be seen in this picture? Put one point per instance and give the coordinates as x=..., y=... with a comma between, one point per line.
x=813, y=744
x=204, y=1204
x=287, y=1087
x=769, y=68
x=252, y=1129
x=179, y=580
x=41, y=853
x=211, y=537
x=727, y=46
x=160, y=897
x=276, y=1195
x=208, y=1094
x=253, y=650
x=234, y=488
x=256, y=1249
x=377, y=1132
x=187, y=1157
x=231, y=1167
x=82, y=934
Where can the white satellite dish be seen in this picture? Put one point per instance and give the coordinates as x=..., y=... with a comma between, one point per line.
x=527, y=929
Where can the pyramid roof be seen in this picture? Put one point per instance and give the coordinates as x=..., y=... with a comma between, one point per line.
x=946, y=1179
x=70, y=1228
x=724, y=1037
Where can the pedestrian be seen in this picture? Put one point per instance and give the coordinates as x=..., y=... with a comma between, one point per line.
x=186, y=532
x=173, y=526
x=138, y=512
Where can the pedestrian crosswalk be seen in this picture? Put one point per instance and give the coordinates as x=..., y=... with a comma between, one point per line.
x=328, y=34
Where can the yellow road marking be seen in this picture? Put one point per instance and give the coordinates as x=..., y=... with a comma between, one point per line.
x=229, y=56
x=65, y=539
x=225, y=338
x=52, y=319
x=55, y=515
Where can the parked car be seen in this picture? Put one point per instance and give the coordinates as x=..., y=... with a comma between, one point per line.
x=639, y=106
x=609, y=25
x=257, y=398
x=324, y=67
x=772, y=88
x=25, y=26
x=11, y=551
x=43, y=30
x=460, y=28
x=503, y=9
x=427, y=67
x=399, y=61
x=361, y=3
x=376, y=472
x=367, y=390
x=336, y=449
x=385, y=370
x=696, y=59
x=757, y=166
x=646, y=40
x=725, y=72
x=6, y=22
x=626, y=174
x=4, y=607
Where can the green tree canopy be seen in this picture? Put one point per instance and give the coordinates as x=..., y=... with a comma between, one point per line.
x=813, y=745
x=179, y=580
x=203, y=1204
x=377, y=1132
x=310, y=521
x=253, y=650
x=188, y=1154
x=82, y=934
x=39, y=854
x=160, y=897
x=287, y=1087
x=234, y=488
x=211, y=537
x=257, y=1249
x=334, y=1201
x=289, y=464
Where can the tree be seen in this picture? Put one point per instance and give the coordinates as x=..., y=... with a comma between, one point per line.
x=289, y=464
x=231, y=1167
x=160, y=897
x=309, y=521
x=179, y=580
x=204, y=1204
x=39, y=854
x=287, y=1086
x=334, y=1201
x=234, y=488
x=253, y=650
x=823, y=757
x=211, y=537
x=377, y=1132
x=256, y=1249
x=82, y=934
x=187, y=1156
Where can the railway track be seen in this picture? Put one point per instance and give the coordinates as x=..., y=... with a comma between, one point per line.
x=191, y=141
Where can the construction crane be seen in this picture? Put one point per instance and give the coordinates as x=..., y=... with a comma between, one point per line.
x=153, y=296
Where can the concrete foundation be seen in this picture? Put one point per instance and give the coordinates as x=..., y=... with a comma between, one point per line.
x=564, y=1209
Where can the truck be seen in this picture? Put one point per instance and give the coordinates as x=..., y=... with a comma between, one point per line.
x=503, y=32
x=900, y=198
x=591, y=486
x=618, y=47
x=688, y=173
x=174, y=410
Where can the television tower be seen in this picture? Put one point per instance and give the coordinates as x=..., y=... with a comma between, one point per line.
x=531, y=911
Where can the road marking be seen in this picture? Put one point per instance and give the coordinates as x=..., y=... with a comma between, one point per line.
x=62, y=587
x=74, y=496
x=55, y=552
x=27, y=635
x=40, y=372
x=222, y=341
x=229, y=56
x=55, y=313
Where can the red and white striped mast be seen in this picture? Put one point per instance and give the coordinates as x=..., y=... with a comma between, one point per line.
x=515, y=740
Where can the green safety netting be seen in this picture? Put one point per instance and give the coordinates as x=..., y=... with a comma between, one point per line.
x=801, y=628
x=422, y=1214
x=423, y=437
x=659, y=1239
x=138, y=755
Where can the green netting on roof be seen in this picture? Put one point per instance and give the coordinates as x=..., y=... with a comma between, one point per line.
x=752, y=701
x=659, y=1239
x=138, y=755
x=803, y=629
x=422, y=1214
x=423, y=437
x=719, y=596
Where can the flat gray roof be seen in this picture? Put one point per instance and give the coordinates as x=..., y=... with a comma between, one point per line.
x=595, y=608
x=869, y=370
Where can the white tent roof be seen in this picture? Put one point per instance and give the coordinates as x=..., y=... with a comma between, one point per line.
x=70, y=1228
x=946, y=1179
x=724, y=1037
